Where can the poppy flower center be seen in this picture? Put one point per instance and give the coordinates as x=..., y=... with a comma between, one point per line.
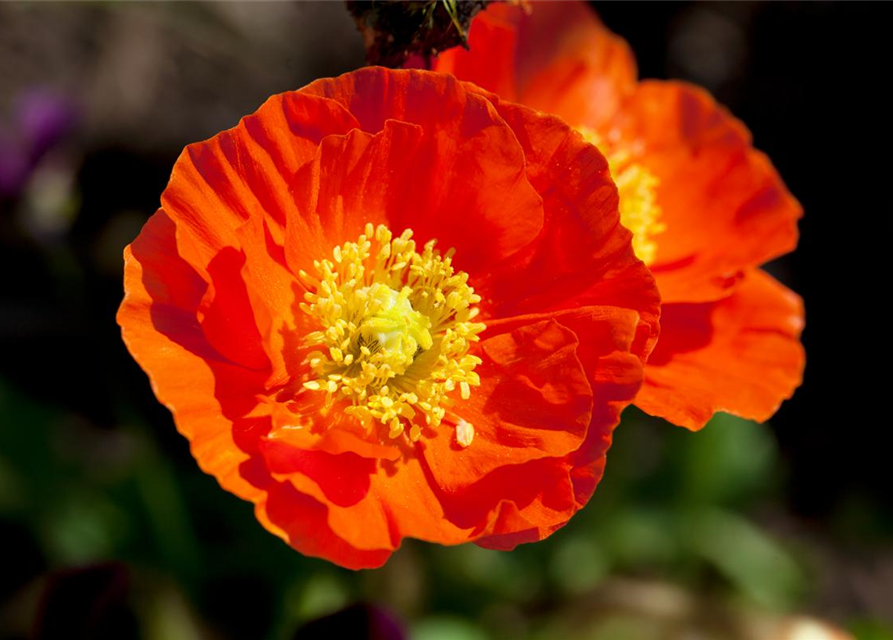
x=395, y=328
x=637, y=188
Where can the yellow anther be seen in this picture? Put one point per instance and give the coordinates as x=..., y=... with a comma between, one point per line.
x=396, y=427
x=394, y=330
x=464, y=433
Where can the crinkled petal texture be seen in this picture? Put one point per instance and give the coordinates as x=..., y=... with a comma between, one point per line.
x=724, y=210
x=212, y=313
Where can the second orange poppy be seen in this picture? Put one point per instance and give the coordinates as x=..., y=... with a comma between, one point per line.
x=706, y=208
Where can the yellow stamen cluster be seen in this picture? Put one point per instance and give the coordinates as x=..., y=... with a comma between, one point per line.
x=637, y=187
x=396, y=325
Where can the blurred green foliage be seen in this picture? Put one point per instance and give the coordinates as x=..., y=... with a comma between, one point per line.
x=872, y=630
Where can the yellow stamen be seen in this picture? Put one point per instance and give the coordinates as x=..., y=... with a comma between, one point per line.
x=637, y=187
x=394, y=329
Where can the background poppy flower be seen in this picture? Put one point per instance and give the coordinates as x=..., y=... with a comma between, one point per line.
x=358, y=383
x=705, y=207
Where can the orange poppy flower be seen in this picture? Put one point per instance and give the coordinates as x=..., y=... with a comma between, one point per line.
x=706, y=209
x=384, y=306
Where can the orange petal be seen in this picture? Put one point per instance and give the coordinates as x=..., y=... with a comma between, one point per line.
x=302, y=521
x=534, y=401
x=227, y=318
x=218, y=184
x=583, y=257
x=508, y=541
x=606, y=337
x=345, y=185
x=230, y=196
x=741, y=355
x=343, y=478
x=553, y=56
x=724, y=205
x=212, y=398
x=370, y=504
x=460, y=168
x=515, y=509
x=506, y=502
x=616, y=371
x=336, y=433
x=273, y=294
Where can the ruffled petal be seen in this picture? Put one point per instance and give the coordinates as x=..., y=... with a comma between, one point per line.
x=211, y=397
x=461, y=167
x=273, y=294
x=302, y=522
x=534, y=401
x=517, y=511
x=227, y=317
x=312, y=426
x=606, y=337
x=218, y=184
x=724, y=206
x=556, y=57
x=741, y=355
x=506, y=502
x=229, y=197
x=214, y=400
x=583, y=256
x=371, y=504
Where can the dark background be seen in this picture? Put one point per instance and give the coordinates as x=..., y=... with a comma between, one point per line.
x=762, y=521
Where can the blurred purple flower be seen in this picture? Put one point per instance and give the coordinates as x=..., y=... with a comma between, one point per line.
x=359, y=622
x=40, y=120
